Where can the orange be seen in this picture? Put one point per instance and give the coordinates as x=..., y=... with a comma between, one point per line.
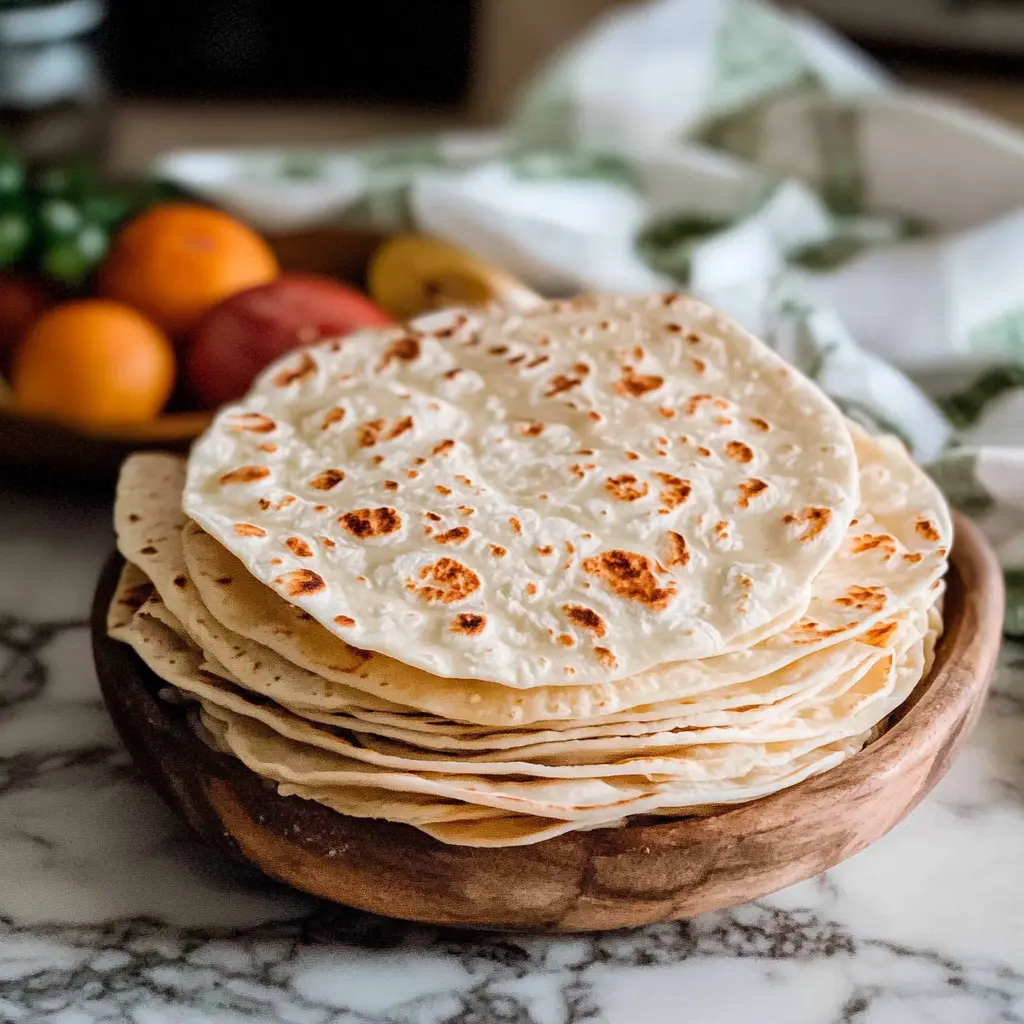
x=93, y=363
x=177, y=260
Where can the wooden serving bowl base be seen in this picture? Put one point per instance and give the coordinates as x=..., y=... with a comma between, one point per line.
x=584, y=881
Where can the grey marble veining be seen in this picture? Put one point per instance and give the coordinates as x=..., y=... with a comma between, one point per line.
x=111, y=912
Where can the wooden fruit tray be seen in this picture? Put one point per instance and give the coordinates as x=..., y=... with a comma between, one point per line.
x=584, y=881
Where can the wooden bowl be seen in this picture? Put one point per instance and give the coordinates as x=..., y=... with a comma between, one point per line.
x=70, y=455
x=583, y=881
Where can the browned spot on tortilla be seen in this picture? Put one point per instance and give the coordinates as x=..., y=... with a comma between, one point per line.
x=694, y=402
x=547, y=549
x=245, y=475
x=432, y=516
x=517, y=527
x=273, y=561
x=147, y=550
x=532, y=429
x=301, y=583
x=874, y=542
x=327, y=479
x=390, y=485
x=721, y=530
x=760, y=424
x=635, y=385
x=335, y=415
x=345, y=621
x=180, y=580
x=678, y=552
x=497, y=350
x=264, y=503
x=248, y=530
x=720, y=403
x=813, y=520
x=442, y=490
x=468, y=623
x=289, y=375
x=252, y=423
x=404, y=349
x=452, y=374
x=879, y=636
x=585, y=618
x=133, y=518
x=135, y=597
x=372, y=431
x=863, y=598
x=288, y=499
x=630, y=577
x=371, y=522
x=739, y=452
x=926, y=528
x=669, y=414
x=912, y=558
x=699, y=366
x=626, y=487
x=456, y=535
x=807, y=631
x=595, y=416
x=268, y=448
x=704, y=453
x=560, y=384
x=498, y=551
x=463, y=479
x=224, y=581
x=632, y=456
x=298, y=547
x=448, y=581
x=606, y=656
x=319, y=508
x=327, y=542
x=674, y=491
x=412, y=474
x=537, y=360
x=569, y=670
x=443, y=447
x=565, y=640
x=750, y=489
x=531, y=589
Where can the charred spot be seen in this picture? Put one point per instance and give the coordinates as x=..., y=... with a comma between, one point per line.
x=432, y=516
x=635, y=385
x=560, y=384
x=335, y=415
x=532, y=429
x=674, y=491
x=629, y=576
x=224, y=581
x=248, y=530
x=468, y=623
x=301, y=583
x=290, y=374
x=446, y=580
x=390, y=485
x=298, y=547
x=626, y=487
x=344, y=621
x=245, y=475
x=133, y=518
x=252, y=423
x=585, y=618
x=327, y=479
x=813, y=522
x=738, y=451
x=371, y=522
x=678, y=552
x=404, y=349
x=456, y=535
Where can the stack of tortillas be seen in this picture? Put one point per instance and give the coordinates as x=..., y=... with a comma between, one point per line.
x=501, y=576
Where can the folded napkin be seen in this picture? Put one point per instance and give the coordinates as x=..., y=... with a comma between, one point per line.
x=873, y=236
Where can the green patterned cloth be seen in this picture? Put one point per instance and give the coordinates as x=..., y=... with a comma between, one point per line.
x=872, y=236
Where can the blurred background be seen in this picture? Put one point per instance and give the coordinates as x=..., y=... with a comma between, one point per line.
x=123, y=80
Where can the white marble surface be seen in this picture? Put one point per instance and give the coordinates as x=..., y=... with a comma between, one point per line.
x=111, y=912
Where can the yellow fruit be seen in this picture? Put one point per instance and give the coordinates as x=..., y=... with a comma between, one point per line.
x=412, y=274
x=93, y=363
x=176, y=261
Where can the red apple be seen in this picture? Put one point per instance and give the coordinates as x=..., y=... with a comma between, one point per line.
x=249, y=330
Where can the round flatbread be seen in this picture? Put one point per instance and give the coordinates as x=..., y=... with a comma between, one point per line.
x=572, y=494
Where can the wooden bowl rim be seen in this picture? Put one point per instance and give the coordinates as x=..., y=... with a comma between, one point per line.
x=946, y=702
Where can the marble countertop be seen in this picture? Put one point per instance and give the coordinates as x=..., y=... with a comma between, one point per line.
x=111, y=912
